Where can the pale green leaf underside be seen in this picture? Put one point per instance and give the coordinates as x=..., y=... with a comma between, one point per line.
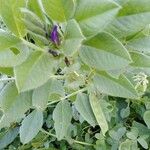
x=12, y=17
x=141, y=44
x=83, y=106
x=35, y=6
x=62, y=115
x=132, y=18
x=31, y=125
x=98, y=112
x=104, y=52
x=120, y=87
x=93, y=16
x=72, y=38
x=34, y=72
x=14, y=105
x=40, y=96
x=59, y=10
x=8, y=137
x=147, y=118
x=7, y=40
x=140, y=60
x=9, y=58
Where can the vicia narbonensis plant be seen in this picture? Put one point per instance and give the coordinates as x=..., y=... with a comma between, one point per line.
x=75, y=71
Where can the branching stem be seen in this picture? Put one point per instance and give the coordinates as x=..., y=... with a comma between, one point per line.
x=75, y=141
x=70, y=95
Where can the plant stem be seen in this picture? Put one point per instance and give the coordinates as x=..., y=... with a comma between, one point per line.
x=82, y=143
x=48, y=133
x=70, y=95
x=75, y=141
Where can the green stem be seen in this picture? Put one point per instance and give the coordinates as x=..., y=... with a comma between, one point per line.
x=75, y=141
x=48, y=133
x=82, y=143
x=68, y=96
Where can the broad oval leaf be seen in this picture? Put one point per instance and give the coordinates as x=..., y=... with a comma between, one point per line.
x=143, y=142
x=141, y=62
x=141, y=44
x=120, y=87
x=104, y=52
x=7, y=40
x=98, y=112
x=10, y=12
x=93, y=16
x=32, y=18
x=14, y=56
x=72, y=38
x=35, y=71
x=31, y=125
x=62, y=115
x=8, y=137
x=83, y=106
x=132, y=18
x=13, y=104
x=147, y=118
x=56, y=90
x=40, y=96
x=59, y=10
x=36, y=7
x=126, y=145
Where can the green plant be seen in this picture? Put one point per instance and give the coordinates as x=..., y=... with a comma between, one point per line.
x=75, y=74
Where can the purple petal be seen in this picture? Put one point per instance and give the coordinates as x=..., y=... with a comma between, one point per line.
x=54, y=35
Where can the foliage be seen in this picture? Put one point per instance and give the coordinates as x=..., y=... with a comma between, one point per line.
x=74, y=74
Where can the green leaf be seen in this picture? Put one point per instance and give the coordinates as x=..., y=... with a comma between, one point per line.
x=56, y=90
x=35, y=6
x=83, y=106
x=32, y=18
x=126, y=145
x=35, y=71
x=104, y=52
x=93, y=16
x=14, y=105
x=125, y=112
x=13, y=56
x=8, y=137
x=146, y=118
x=140, y=60
x=133, y=134
x=7, y=71
x=141, y=44
x=98, y=112
x=31, y=125
x=10, y=12
x=143, y=142
x=132, y=18
x=72, y=38
x=62, y=115
x=121, y=87
x=40, y=96
x=59, y=10
x=7, y=40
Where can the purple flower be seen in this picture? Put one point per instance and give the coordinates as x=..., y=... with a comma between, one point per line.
x=54, y=35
